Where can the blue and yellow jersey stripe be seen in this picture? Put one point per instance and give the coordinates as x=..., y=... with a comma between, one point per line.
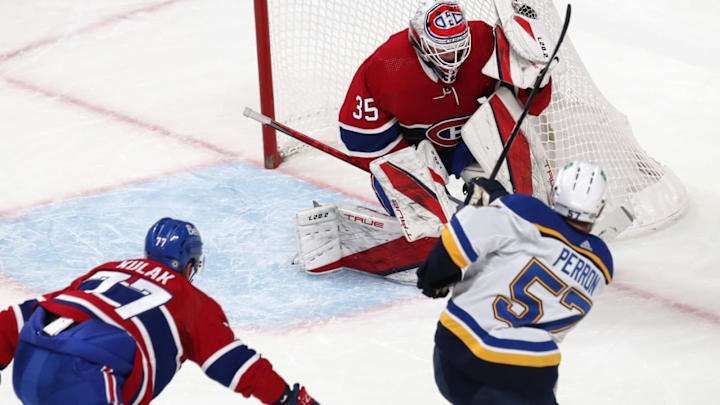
x=551, y=225
x=457, y=244
x=496, y=350
x=584, y=252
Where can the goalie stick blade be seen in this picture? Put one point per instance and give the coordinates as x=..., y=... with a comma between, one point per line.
x=614, y=223
x=250, y=113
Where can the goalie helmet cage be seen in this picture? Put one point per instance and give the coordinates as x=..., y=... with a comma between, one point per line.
x=316, y=46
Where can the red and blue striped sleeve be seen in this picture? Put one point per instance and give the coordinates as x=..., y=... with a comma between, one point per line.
x=230, y=361
x=366, y=128
x=12, y=320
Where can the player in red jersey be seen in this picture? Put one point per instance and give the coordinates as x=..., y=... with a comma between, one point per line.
x=118, y=334
x=404, y=116
x=426, y=87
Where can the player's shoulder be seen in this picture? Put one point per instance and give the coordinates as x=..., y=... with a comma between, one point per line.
x=157, y=272
x=478, y=27
x=199, y=299
x=104, y=267
x=526, y=205
x=483, y=43
x=550, y=224
x=396, y=47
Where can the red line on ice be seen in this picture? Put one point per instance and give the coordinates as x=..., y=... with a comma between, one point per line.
x=89, y=28
x=118, y=116
x=228, y=155
x=670, y=303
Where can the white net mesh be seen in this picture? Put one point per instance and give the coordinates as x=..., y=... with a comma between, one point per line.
x=317, y=45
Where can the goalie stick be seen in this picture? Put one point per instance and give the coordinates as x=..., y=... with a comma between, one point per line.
x=267, y=121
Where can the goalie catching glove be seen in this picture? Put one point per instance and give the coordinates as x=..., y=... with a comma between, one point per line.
x=296, y=396
x=521, y=46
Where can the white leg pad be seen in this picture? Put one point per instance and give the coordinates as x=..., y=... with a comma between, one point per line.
x=415, y=185
x=482, y=135
x=327, y=235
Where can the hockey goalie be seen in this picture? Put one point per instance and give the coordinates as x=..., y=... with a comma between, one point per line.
x=438, y=99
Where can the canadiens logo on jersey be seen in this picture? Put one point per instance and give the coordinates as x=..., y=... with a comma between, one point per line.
x=447, y=132
x=445, y=22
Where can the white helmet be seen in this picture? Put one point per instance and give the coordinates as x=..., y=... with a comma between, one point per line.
x=579, y=191
x=441, y=37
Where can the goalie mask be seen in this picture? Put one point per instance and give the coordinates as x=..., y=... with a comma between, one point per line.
x=441, y=37
x=175, y=243
x=579, y=192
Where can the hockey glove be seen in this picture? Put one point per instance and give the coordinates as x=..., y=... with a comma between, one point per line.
x=438, y=273
x=481, y=191
x=298, y=396
x=441, y=292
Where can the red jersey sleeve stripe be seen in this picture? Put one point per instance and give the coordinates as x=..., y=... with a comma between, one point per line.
x=241, y=371
x=215, y=356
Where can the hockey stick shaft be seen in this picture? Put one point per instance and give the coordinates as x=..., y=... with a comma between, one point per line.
x=265, y=120
x=533, y=93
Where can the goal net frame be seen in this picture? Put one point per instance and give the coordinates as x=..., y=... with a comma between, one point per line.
x=308, y=51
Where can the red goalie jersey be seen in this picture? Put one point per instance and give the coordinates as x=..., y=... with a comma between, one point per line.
x=396, y=99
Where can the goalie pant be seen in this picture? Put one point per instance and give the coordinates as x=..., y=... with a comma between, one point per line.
x=524, y=278
x=141, y=352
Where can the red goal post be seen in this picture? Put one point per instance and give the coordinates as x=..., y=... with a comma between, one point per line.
x=308, y=51
x=267, y=102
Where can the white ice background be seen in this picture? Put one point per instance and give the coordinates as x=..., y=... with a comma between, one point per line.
x=115, y=113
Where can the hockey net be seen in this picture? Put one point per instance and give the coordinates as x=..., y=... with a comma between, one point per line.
x=316, y=46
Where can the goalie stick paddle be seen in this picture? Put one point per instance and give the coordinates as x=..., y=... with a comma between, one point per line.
x=265, y=120
x=533, y=93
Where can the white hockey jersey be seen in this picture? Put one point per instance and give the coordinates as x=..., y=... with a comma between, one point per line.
x=527, y=278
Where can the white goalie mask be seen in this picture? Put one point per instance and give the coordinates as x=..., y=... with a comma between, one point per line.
x=579, y=191
x=441, y=37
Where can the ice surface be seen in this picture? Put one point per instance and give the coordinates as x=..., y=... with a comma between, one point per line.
x=248, y=237
x=113, y=114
